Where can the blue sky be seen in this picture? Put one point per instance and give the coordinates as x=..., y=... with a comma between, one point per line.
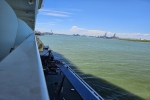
x=126, y=18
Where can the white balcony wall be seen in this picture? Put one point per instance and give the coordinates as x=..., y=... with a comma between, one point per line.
x=24, y=31
x=21, y=74
x=8, y=28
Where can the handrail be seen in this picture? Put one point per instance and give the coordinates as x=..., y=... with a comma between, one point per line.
x=44, y=91
x=73, y=77
x=92, y=90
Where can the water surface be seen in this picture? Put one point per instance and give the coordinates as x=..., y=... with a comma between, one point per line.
x=119, y=64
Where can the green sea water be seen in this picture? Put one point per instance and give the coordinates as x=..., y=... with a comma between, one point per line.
x=116, y=69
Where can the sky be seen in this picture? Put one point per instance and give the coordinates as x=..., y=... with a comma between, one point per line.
x=126, y=18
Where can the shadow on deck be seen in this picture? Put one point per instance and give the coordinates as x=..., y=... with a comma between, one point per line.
x=106, y=89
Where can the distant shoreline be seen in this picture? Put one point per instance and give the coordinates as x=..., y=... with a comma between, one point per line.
x=126, y=39
x=134, y=40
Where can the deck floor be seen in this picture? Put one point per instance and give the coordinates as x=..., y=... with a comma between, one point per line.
x=53, y=82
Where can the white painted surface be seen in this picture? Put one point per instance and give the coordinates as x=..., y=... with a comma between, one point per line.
x=8, y=28
x=22, y=33
x=21, y=74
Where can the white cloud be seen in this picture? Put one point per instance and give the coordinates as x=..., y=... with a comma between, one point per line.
x=55, y=13
x=59, y=20
x=84, y=31
x=77, y=29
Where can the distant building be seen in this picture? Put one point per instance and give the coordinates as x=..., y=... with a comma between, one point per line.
x=43, y=33
x=76, y=35
x=37, y=32
x=106, y=37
